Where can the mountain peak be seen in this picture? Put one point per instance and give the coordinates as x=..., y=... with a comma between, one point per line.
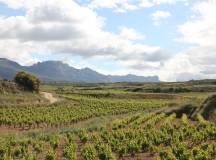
x=3, y=59
x=86, y=69
x=51, y=63
x=59, y=71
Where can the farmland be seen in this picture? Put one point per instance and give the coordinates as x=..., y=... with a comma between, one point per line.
x=107, y=80
x=109, y=121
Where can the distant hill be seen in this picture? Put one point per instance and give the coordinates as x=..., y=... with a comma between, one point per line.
x=57, y=71
x=8, y=68
x=132, y=78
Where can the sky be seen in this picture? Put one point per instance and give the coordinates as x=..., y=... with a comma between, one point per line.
x=174, y=39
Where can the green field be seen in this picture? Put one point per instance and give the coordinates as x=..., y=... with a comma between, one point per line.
x=108, y=121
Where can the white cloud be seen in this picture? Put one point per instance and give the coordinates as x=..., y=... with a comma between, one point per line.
x=106, y=3
x=130, y=5
x=198, y=61
x=13, y=3
x=194, y=63
x=202, y=29
x=54, y=26
x=158, y=2
x=146, y=4
x=16, y=51
x=151, y=3
x=160, y=15
x=120, y=6
x=126, y=7
x=130, y=34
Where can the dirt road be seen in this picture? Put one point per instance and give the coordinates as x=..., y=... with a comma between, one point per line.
x=49, y=96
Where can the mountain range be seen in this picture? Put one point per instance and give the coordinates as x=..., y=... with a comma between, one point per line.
x=57, y=71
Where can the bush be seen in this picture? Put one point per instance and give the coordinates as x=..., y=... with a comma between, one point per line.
x=39, y=147
x=51, y=155
x=3, y=152
x=105, y=153
x=89, y=152
x=27, y=81
x=167, y=155
x=70, y=151
x=18, y=153
x=83, y=136
x=54, y=142
x=30, y=156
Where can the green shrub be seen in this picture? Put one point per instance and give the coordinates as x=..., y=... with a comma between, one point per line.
x=18, y=152
x=166, y=155
x=51, y=155
x=30, y=156
x=105, y=153
x=83, y=136
x=70, y=152
x=39, y=147
x=27, y=81
x=54, y=141
x=3, y=152
x=89, y=152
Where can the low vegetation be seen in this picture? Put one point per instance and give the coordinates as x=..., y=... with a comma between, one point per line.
x=107, y=122
x=142, y=136
x=65, y=113
x=7, y=87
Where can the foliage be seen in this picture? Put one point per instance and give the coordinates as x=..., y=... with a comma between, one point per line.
x=134, y=125
x=159, y=135
x=27, y=81
x=89, y=152
x=83, y=136
x=66, y=113
x=51, y=155
x=70, y=151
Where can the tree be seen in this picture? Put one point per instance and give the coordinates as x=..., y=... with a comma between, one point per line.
x=27, y=81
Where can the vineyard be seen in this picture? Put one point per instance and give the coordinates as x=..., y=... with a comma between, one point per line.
x=67, y=112
x=141, y=136
x=90, y=124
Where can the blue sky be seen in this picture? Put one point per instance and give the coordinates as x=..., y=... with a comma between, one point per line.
x=141, y=20
x=6, y=11
x=144, y=37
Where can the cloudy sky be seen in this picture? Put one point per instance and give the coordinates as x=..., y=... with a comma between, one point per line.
x=174, y=39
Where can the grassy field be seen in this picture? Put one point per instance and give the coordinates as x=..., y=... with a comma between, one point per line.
x=109, y=121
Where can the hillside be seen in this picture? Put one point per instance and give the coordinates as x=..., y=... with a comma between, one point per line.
x=8, y=68
x=57, y=71
x=208, y=108
x=112, y=123
x=8, y=87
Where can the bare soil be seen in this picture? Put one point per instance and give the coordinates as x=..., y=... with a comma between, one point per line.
x=49, y=97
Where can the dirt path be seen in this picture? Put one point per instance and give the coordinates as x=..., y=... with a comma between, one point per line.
x=168, y=109
x=49, y=96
